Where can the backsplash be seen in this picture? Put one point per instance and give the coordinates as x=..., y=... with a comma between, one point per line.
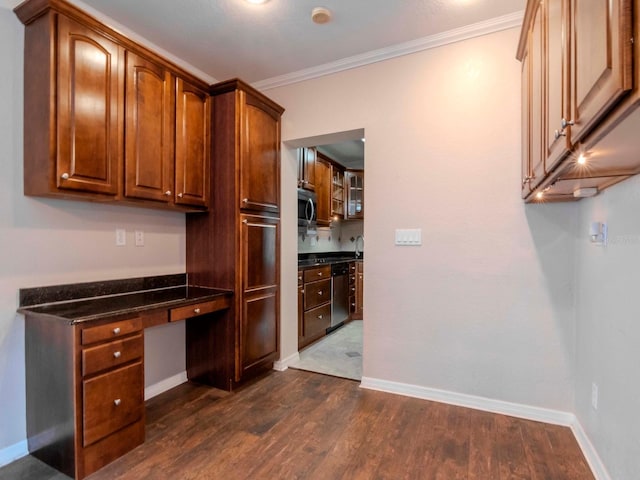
x=334, y=239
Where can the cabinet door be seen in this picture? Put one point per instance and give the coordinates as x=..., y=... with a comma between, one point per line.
x=89, y=117
x=354, y=181
x=149, y=130
x=323, y=192
x=536, y=117
x=310, y=157
x=193, y=144
x=337, y=192
x=601, y=63
x=359, y=290
x=526, y=126
x=259, y=323
x=557, y=135
x=260, y=156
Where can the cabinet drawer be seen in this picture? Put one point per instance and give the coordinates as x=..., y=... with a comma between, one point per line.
x=317, y=293
x=110, y=331
x=111, y=402
x=112, y=354
x=317, y=273
x=317, y=320
x=352, y=279
x=182, y=313
x=352, y=304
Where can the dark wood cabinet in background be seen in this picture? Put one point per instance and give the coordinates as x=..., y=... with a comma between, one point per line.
x=356, y=283
x=323, y=191
x=307, y=168
x=101, y=113
x=314, y=309
x=354, y=184
x=237, y=246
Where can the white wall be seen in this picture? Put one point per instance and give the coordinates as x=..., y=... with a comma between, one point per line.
x=608, y=328
x=45, y=242
x=485, y=306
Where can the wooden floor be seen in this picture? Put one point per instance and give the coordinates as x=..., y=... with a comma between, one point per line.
x=301, y=425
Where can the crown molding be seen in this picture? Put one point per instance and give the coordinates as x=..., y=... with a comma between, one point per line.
x=426, y=43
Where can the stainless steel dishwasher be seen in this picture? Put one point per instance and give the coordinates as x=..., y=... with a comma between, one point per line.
x=339, y=294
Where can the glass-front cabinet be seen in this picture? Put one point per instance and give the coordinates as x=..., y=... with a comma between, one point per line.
x=354, y=181
x=337, y=192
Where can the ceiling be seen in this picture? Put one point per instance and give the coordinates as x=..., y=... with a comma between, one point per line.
x=233, y=38
x=277, y=43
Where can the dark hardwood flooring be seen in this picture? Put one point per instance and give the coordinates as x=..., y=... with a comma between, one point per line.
x=302, y=425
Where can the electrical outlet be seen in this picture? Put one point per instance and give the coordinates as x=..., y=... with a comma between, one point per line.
x=594, y=395
x=139, y=238
x=121, y=237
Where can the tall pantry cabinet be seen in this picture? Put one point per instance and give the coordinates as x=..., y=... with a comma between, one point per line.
x=236, y=245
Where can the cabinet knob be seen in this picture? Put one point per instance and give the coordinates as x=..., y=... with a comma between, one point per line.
x=320, y=292
x=180, y=195
x=116, y=354
x=353, y=304
x=245, y=221
x=168, y=193
x=353, y=289
x=319, y=274
x=116, y=330
x=117, y=402
x=566, y=123
x=245, y=200
x=64, y=176
x=319, y=317
x=196, y=310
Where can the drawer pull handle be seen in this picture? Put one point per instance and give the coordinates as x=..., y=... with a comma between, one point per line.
x=116, y=330
x=196, y=310
x=319, y=317
x=168, y=193
x=245, y=200
x=180, y=195
x=64, y=176
x=117, y=354
x=117, y=402
x=320, y=292
x=319, y=274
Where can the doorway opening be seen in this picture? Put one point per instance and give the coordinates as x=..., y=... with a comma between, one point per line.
x=331, y=172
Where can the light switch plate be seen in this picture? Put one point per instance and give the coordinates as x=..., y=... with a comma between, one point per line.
x=408, y=236
x=121, y=237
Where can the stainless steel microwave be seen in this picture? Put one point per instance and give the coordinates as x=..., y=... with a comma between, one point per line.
x=307, y=208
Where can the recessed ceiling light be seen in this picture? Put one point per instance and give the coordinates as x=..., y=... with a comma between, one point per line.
x=320, y=15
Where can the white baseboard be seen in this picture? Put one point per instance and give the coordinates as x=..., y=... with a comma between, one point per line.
x=282, y=364
x=164, y=385
x=528, y=412
x=589, y=451
x=13, y=452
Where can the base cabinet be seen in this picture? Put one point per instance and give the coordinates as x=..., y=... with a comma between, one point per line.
x=356, y=283
x=314, y=307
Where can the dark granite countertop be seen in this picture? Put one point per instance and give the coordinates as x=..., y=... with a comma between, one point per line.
x=326, y=258
x=76, y=310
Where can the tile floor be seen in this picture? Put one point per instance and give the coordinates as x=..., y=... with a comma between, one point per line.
x=338, y=354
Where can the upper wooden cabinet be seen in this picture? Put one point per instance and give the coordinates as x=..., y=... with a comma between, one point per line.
x=149, y=146
x=354, y=183
x=307, y=168
x=100, y=115
x=259, y=137
x=578, y=88
x=193, y=144
x=337, y=191
x=323, y=191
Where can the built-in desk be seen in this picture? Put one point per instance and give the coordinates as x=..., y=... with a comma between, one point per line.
x=84, y=360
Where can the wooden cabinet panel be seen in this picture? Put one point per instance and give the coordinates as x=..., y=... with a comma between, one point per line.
x=259, y=330
x=323, y=192
x=112, y=354
x=193, y=144
x=317, y=273
x=89, y=118
x=190, y=311
x=112, y=401
x=260, y=158
x=260, y=238
x=536, y=114
x=601, y=60
x=149, y=149
x=317, y=293
x=307, y=157
x=557, y=132
x=110, y=331
x=337, y=192
x=316, y=322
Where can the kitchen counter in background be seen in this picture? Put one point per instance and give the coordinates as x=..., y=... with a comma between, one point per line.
x=324, y=258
